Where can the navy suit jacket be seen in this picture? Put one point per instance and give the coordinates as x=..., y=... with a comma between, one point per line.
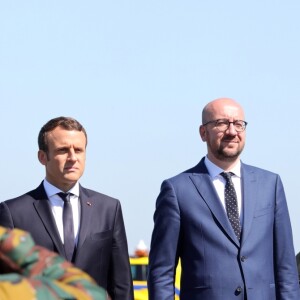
x=190, y=223
x=102, y=249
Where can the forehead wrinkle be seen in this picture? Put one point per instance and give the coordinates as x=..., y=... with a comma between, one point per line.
x=61, y=141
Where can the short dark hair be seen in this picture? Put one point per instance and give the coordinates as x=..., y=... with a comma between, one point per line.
x=64, y=122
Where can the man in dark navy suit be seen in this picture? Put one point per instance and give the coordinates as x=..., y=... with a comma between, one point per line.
x=96, y=234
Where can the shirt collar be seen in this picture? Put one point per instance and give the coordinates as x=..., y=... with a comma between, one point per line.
x=215, y=171
x=52, y=190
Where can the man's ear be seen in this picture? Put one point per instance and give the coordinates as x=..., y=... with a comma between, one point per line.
x=42, y=156
x=202, y=131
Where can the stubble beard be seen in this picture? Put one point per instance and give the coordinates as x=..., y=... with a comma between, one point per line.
x=224, y=155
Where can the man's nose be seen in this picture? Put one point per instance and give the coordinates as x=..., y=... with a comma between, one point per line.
x=72, y=155
x=231, y=129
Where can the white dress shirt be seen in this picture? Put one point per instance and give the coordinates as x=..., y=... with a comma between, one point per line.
x=219, y=181
x=57, y=205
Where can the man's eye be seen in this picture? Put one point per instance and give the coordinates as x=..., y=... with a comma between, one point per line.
x=239, y=124
x=222, y=123
x=62, y=150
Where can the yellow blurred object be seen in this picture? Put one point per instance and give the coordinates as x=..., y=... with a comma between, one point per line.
x=139, y=269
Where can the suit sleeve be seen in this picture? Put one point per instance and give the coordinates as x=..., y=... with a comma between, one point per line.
x=119, y=278
x=284, y=254
x=163, y=257
x=5, y=216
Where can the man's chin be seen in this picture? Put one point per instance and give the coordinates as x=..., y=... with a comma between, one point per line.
x=71, y=178
x=229, y=155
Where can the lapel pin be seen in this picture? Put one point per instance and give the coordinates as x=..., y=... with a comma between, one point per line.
x=89, y=203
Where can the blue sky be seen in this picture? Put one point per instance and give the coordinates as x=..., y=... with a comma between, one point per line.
x=137, y=74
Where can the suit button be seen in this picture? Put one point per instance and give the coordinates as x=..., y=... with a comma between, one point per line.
x=243, y=258
x=238, y=290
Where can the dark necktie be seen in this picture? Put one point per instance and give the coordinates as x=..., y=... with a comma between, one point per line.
x=68, y=225
x=231, y=204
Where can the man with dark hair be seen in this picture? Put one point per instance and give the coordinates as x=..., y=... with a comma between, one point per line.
x=84, y=226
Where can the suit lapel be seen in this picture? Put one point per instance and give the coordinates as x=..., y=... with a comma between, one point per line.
x=249, y=191
x=43, y=209
x=86, y=206
x=202, y=181
x=207, y=191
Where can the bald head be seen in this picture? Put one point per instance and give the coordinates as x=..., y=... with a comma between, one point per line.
x=224, y=138
x=225, y=105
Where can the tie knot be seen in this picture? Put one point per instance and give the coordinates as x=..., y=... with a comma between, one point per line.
x=227, y=175
x=64, y=196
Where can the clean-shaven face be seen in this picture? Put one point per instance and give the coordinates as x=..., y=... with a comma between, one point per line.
x=65, y=159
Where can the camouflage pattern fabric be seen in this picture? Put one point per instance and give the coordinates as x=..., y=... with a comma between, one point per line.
x=31, y=272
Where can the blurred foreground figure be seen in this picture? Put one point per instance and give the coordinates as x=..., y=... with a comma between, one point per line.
x=30, y=272
x=228, y=222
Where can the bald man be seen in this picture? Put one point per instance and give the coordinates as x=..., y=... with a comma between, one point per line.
x=226, y=221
